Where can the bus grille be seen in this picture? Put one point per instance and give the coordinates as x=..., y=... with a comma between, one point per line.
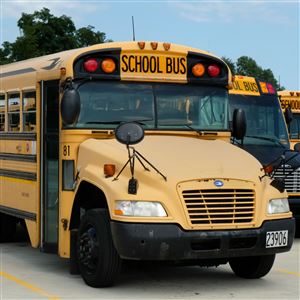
x=291, y=181
x=221, y=206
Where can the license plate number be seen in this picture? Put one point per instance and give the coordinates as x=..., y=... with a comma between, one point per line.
x=277, y=238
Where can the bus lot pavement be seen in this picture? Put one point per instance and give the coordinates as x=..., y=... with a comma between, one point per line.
x=27, y=273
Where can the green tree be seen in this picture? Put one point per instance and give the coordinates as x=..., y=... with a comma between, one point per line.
x=5, y=53
x=247, y=66
x=86, y=36
x=230, y=64
x=43, y=33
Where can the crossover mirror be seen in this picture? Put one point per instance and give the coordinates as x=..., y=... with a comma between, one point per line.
x=129, y=133
x=70, y=106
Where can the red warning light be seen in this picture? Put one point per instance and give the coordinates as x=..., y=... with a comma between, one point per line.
x=270, y=88
x=213, y=70
x=91, y=65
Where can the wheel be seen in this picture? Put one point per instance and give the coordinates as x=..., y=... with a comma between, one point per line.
x=253, y=266
x=98, y=260
x=7, y=228
x=297, y=228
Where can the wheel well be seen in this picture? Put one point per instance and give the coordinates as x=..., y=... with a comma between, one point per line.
x=88, y=196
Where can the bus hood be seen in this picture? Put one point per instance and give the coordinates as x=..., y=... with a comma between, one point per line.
x=178, y=158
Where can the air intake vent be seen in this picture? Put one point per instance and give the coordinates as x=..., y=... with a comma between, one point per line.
x=219, y=206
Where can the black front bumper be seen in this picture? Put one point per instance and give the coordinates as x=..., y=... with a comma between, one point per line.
x=148, y=241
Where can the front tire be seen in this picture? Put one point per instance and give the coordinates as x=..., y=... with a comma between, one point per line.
x=98, y=261
x=252, y=267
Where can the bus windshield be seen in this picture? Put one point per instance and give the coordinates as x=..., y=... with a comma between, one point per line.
x=265, y=122
x=156, y=106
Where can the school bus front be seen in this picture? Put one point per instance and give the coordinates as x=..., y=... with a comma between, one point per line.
x=174, y=188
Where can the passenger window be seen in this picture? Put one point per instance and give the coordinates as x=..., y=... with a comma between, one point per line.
x=14, y=112
x=2, y=113
x=29, y=111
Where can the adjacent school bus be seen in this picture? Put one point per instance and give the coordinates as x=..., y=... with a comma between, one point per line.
x=178, y=190
x=290, y=100
x=267, y=136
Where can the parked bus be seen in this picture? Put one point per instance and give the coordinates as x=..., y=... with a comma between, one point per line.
x=125, y=153
x=290, y=101
x=266, y=137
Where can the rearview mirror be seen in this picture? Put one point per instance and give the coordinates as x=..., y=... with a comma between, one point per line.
x=297, y=147
x=70, y=106
x=129, y=133
x=239, y=124
x=288, y=115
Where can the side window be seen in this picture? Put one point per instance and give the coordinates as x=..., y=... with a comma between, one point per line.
x=14, y=112
x=29, y=111
x=2, y=113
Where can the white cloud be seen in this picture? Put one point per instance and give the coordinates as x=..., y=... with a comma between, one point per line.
x=203, y=11
x=77, y=10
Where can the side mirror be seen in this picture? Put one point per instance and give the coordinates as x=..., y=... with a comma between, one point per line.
x=70, y=106
x=129, y=133
x=239, y=124
x=297, y=147
x=288, y=115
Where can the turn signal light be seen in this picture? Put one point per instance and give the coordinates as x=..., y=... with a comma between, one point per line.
x=108, y=65
x=198, y=70
x=268, y=169
x=109, y=170
x=213, y=70
x=91, y=65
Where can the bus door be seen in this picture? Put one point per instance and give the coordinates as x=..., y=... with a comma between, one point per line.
x=49, y=165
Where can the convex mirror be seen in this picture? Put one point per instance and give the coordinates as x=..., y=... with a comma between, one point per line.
x=129, y=133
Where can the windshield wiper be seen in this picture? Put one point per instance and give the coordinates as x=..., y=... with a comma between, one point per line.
x=194, y=129
x=119, y=122
x=266, y=139
x=104, y=122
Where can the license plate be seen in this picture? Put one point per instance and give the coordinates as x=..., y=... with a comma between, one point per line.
x=277, y=238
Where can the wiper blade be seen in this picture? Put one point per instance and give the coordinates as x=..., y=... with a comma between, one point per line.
x=265, y=138
x=119, y=122
x=194, y=129
x=104, y=122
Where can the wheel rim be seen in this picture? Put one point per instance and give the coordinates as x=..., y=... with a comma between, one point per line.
x=89, y=249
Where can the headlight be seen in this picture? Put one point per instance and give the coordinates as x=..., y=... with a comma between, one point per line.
x=278, y=206
x=140, y=209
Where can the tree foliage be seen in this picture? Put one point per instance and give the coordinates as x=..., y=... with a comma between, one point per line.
x=247, y=66
x=43, y=33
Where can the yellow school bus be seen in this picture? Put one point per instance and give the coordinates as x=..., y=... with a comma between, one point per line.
x=267, y=136
x=290, y=100
x=123, y=151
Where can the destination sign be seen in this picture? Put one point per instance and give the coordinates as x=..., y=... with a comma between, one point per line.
x=153, y=66
x=245, y=86
x=292, y=103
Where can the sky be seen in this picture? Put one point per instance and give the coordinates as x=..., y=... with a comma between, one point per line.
x=267, y=31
